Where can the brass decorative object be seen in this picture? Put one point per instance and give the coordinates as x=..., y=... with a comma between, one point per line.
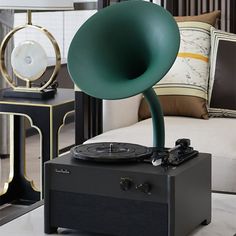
x=28, y=59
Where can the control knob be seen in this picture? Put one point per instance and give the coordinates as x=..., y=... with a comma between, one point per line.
x=125, y=183
x=144, y=188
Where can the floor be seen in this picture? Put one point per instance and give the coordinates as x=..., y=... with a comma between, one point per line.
x=223, y=221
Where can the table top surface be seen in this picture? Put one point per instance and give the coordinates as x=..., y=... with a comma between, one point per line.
x=61, y=97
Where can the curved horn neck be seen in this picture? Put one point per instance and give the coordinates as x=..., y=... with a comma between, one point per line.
x=157, y=118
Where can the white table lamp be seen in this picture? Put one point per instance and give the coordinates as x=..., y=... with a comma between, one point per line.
x=29, y=59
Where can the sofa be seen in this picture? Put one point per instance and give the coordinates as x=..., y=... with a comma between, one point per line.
x=197, y=95
x=215, y=136
x=198, y=98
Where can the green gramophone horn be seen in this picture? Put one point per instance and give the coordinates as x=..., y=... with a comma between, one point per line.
x=123, y=50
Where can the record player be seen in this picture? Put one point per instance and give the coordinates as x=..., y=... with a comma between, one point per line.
x=127, y=198
x=126, y=189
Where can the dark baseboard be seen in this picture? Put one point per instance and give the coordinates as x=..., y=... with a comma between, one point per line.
x=16, y=209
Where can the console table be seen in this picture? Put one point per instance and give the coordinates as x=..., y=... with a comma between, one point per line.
x=47, y=116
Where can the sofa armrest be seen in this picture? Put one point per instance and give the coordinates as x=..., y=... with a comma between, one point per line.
x=120, y=113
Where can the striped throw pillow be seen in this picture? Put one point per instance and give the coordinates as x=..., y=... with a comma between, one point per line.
x=187, y=92
x=222, y=83
x=183, y=91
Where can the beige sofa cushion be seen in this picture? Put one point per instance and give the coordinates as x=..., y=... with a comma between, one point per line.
x=216, y=136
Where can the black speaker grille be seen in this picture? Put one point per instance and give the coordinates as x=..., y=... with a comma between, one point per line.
x=108, y=215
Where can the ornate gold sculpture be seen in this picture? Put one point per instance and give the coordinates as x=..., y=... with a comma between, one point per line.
x=29, y=87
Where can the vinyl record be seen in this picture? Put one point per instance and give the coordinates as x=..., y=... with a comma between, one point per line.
x=111, y=152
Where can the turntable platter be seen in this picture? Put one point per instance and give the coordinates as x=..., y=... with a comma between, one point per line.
x=111, y=152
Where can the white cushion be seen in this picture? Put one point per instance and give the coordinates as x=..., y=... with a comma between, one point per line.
x=190, y=73
x=121, y=112
x=216, y=136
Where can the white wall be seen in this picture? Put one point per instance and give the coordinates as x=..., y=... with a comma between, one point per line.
x=62, y=25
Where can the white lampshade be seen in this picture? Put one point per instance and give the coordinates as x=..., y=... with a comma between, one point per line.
x=37, y=4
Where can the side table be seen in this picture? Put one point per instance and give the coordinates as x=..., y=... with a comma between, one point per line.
x=47, y=116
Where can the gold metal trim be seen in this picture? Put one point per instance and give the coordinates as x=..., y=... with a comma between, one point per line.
x=3, y=46
x=40, y=153
x=51, y=131
x=34, y=104
x=59, y=104
x=11, y=173
x=59, y=129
